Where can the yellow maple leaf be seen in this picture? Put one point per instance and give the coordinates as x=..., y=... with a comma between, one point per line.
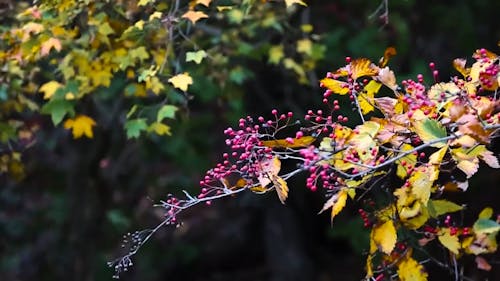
x=181, y=81
x=410, y=270
x=194, y=16
x=49, y=44
x=80, y=125
x=154, y=84
x=48, y=89
x=159, y=128
x=291, y=2
x=385, y=237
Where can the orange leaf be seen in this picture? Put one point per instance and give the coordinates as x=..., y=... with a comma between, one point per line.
x=459, y=65
x=194, y=16
x=336, y=86
x=362, y=67
x=49, y=44
x=388, y=53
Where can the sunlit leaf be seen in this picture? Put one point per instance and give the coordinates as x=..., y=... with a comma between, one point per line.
x=437, y=157
x=336, y=86
x=196, y=57
x=486, y=226
x=441, y=207
x=81, y=125
x=388, y=53
x=304, y=46
x=430, y=130
x=267, y=169
x=449, y=241
x=51, y=43
x=281, y=188
x=194, y=16
x=291, y=2
x=362, y=67
x=336, y=202
x=159, y=128
x=387, y=77
x=166, y=111
x=205, y=3
x=385, y=237
x=486, y=213
x=292, y=143
x=365, y=98
x=410, y=270
x=181, y=81
x=48, y=89
x=276, y=53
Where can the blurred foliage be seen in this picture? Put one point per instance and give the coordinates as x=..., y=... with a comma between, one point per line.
x=64, y=202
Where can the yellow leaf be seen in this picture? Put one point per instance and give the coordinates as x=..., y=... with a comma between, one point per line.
x=421, y=182
x=410, y=160
x=205, y=3
x=181, y=81
x=154, y=84
x=448, y=240
x=486, y=213
x=469, y=167
x=387, y=77
x=336, y=86
x=385, y=237
x=101, y=77
x=159, y=128
x=49, y=89
x=281, y=188
x=304, y=46
x=459, y=65
x=437, y=157
x=301, y=142
x=81, y=125
x=366, y=96
x=49, y=44
x=144, y=2
x=140, y=24
x=336, y=202
x=291, y=2
x=410, y=270
x=194, y=16
x=155, y=15
x=276, y=53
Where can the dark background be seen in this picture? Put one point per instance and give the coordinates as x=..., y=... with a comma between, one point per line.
x=65, y=220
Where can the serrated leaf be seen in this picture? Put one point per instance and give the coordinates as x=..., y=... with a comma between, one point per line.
x=449, y=241
x=385, y=237
x=281, y=188
x=430, y=130
x=437, y=157
x=196, y=57
x=441, y=207
x=58, y=109
x=159, y=128
x=421, y=182
x=181, y=81
x=410, y=270
x=134, y=127
x=166, y=111
x=486, y=226
x=268, y=168
x=81, y=125
x=366, y=97
x=51, y=43
x=48, y=89
x=490, y=159
x=336, y=203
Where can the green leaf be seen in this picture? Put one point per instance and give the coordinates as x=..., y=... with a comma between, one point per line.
x=430, y=130
x=166, y=111
x=134, y=127
x=58, y=108
x=239, y=74
x=441, y=207
x=6, y=132
x=486, y=226
x=196, y=57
